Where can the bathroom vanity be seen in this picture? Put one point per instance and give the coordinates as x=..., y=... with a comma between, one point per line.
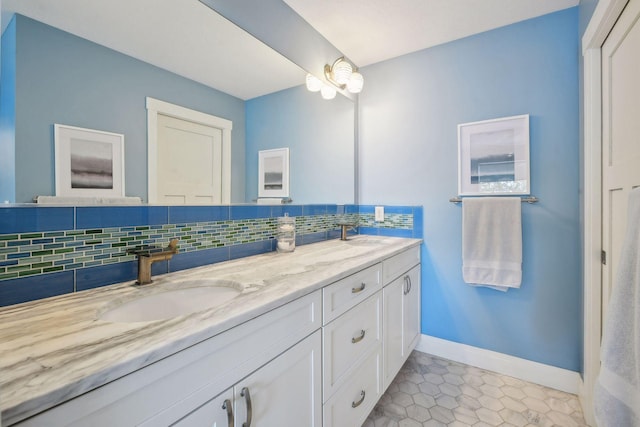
x=312, y=338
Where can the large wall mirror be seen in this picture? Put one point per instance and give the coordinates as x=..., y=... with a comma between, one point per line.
x=94, y=64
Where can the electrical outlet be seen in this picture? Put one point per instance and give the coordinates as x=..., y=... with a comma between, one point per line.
x=379, y=214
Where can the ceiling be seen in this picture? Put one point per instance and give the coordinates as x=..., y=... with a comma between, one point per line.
x=370, y=31
x=187, y=38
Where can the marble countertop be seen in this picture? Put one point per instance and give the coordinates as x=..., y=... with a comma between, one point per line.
x=55, y=349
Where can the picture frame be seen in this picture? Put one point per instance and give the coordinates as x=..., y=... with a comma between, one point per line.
x=493, y=157
x=273, y=173
x=88, y=162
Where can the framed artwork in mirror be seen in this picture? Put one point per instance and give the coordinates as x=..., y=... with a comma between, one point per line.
x=493, y=157
x=88, y=163
x=273, y=173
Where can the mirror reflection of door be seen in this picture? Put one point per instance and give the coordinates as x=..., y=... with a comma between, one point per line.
x=189, y=162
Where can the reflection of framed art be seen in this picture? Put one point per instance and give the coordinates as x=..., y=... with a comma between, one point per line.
x=493, y=157
x=273, y=173
x=88, y=163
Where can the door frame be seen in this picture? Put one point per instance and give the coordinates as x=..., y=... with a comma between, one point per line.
x=602, y=21
x=155, y=107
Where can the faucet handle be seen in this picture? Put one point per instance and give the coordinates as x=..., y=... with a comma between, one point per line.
x=173, y=245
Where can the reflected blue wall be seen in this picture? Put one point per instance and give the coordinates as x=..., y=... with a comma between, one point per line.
x=319, y=134
x=7, y=114
x=61, y=78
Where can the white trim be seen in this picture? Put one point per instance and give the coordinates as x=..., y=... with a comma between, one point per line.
x=155, y=107
x=602, y=21
x=604, y=17
x=592, y=217
x=527, y=370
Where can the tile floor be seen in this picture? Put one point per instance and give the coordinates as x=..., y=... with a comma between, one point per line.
x=434, y=392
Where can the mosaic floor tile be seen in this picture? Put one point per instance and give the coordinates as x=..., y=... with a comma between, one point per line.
x=434, y=392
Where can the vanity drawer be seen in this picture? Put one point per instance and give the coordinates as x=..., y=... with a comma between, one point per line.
x=347, y=339
x=353, y=402
x=399, y=264
x=340, y=296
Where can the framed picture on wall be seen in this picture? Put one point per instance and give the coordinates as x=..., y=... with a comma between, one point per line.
x=88, y=163
x=273, y=173
x=493, y=157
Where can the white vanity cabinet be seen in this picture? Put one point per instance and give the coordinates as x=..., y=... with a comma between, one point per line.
x=320, y=359
x=371, y=323
x=254, y=354
x=401, y=310
x=352, y=347
x=286, y=391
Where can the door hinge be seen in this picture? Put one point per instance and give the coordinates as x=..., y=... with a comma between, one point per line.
x=603, y=257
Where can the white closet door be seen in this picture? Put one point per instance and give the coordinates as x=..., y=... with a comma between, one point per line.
x=620, y=136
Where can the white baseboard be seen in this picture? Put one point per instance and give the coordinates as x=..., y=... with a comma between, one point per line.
x=527, y=370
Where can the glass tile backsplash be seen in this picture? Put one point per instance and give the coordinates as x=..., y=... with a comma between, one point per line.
x=47, y=251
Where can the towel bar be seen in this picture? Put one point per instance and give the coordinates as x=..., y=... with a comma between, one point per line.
x=528, y=199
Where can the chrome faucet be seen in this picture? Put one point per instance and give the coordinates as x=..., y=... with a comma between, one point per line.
x=148, y=255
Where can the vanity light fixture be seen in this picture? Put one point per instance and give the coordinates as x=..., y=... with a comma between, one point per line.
x=328, y=92
x=314, y=84
x=341, y=75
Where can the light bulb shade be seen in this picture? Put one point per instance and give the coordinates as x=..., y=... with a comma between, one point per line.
x=313, y=83
x=328, y=92
x=341, y=72
x=355, y=83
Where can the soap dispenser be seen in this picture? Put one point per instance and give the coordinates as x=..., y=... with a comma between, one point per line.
x=286, y=234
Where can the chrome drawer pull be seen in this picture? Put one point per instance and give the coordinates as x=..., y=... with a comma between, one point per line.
x=359, y=402
x=247, y=397
x=229, y=408
x=360, y=289
x=360, y=338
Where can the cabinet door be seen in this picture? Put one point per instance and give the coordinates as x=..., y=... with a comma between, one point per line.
x=286, y=391
x=401, y=320
x=411, y=308
x=393, y=325
x=218, y=412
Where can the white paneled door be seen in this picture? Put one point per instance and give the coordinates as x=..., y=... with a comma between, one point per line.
x=620, y=136
x=189, y=162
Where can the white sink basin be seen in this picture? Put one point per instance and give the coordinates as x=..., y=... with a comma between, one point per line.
x=192, y=296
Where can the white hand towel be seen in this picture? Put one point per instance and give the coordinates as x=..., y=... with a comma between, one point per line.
x=617, y=390
x=492, y=242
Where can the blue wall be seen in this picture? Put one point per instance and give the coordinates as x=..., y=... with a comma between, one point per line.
x=64, y=79
x=319, y=135
x=409, y=113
